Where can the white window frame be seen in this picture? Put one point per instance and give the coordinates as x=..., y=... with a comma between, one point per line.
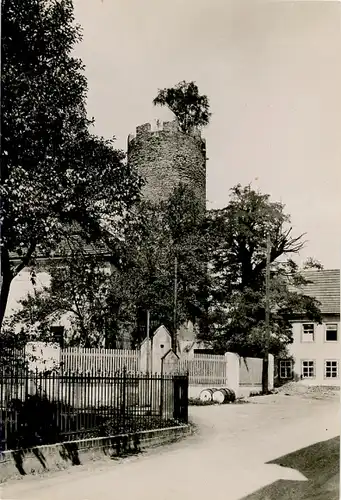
x=303, y=333
x=330, y=329
x=314, y=368
x=336, y=361
x=288, y=367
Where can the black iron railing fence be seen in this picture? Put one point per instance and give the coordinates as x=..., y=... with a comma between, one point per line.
x=45, y=408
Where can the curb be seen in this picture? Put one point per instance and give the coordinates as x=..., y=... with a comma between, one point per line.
x=60, y=456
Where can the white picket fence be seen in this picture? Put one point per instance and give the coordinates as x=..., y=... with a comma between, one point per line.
x=202, y=368
x=206, y=369
x=100, y=361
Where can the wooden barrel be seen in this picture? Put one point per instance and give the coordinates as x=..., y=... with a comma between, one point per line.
x=224, y=396
x=206, y=395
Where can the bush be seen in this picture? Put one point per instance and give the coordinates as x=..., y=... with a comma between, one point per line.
x=36, y=422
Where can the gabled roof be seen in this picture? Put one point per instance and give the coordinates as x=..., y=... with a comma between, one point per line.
x=325, y=287
x=75, y=237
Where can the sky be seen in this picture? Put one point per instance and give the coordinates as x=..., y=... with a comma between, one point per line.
x=272, y=72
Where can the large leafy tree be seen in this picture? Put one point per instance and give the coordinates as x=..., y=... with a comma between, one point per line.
x=238, y=241
x=171, y=251
x=54, y=171
x=191, y=109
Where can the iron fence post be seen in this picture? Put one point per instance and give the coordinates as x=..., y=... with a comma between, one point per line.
x=161, y=391
x=124, y=399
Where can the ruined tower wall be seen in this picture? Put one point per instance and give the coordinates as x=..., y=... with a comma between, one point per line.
x=165, y=156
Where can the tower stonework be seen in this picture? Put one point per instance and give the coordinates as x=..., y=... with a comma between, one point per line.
x=165, y=156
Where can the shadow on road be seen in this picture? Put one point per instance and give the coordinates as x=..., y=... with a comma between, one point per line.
x=319, y=463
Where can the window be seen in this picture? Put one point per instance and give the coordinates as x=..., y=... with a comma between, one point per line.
x=308, y=332
x=331, y=369
x=308, y=369
x=285, y=368
x=331, y=332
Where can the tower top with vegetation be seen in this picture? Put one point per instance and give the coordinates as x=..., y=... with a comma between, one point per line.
x=167, y=154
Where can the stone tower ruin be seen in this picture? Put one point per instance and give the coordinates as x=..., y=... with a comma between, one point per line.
x=165, y=156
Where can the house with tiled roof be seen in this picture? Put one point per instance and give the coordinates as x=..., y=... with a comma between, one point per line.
x=315, y=350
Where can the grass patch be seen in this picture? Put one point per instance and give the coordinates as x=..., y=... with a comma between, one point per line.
x=256, y=393
x=132, y=425
x=198, y=402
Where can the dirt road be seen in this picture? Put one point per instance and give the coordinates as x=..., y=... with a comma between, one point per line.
x=227, y=458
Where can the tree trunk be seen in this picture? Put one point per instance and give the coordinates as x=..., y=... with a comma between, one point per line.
x=7, y=274
x=6, y=279
x=5, y=288
x=265, y=374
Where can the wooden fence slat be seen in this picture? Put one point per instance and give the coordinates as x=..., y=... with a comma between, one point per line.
x=99, y=360
x=205, y=369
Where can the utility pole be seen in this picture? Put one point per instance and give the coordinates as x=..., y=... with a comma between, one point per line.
x=148, y=342
x=175, y=304
x=265, y=375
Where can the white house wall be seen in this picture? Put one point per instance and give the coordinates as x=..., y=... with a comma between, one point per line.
x=318, y=351
x=21, y=286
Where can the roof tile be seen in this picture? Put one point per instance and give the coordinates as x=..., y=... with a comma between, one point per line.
x=325, y=287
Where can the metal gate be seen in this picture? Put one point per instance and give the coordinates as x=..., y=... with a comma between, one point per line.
x=180, y=383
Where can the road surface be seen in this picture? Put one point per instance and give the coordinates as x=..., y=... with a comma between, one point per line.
x=226, y=459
